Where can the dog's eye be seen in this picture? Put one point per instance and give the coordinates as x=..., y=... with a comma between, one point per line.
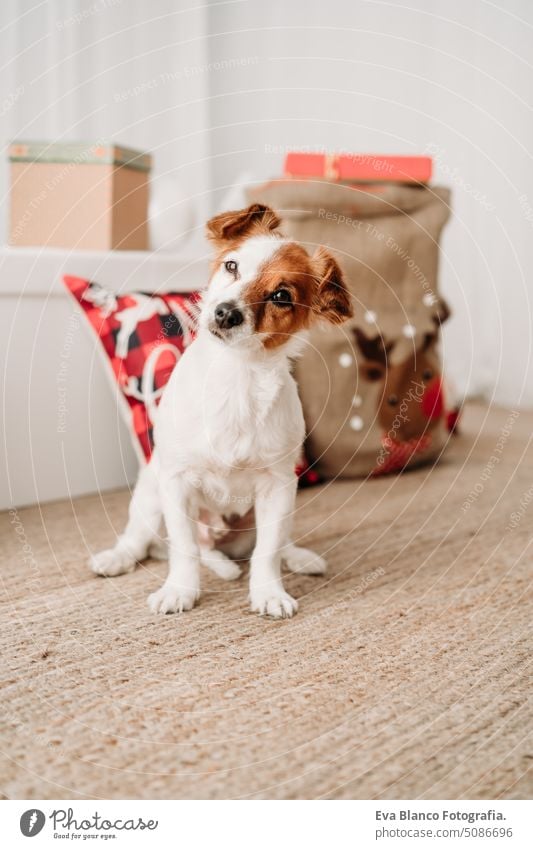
x=231, y=266
x=427, y=374
x=393, y=400
x=282, y=298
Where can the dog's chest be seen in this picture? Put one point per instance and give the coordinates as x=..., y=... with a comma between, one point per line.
x=224, y=414
x=246, y=420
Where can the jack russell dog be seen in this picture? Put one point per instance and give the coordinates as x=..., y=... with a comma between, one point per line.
x=230, y=427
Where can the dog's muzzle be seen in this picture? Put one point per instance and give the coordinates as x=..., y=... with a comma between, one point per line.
x=228, y=315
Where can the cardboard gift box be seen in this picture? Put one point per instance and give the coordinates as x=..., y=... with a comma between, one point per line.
x=78, y=195
x=359, y=167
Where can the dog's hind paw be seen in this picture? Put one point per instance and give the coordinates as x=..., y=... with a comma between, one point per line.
x=303, y=561
x=220, y=564
x=112, y=562
x=158, y=549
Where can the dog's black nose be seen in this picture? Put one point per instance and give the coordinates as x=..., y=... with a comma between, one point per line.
x=228, y=315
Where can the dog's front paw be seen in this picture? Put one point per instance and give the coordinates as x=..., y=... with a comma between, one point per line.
x=170, y=599
x=112, y=562
x=304, y=561
x=275, y=603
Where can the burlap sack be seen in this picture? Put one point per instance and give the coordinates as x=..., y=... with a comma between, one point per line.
x=371, y=389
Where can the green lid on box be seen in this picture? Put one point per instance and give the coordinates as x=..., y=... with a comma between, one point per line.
x=81, y=153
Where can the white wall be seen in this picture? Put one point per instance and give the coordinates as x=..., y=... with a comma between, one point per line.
x=451, y=78
x=62, y=425
x=135, y=73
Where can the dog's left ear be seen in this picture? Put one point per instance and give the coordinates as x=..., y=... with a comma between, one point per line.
x=238, y=224
x=332, y=299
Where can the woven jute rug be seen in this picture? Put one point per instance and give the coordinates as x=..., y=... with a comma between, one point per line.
x=404, y=675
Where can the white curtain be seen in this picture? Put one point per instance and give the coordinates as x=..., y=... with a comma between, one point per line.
x=120, y=70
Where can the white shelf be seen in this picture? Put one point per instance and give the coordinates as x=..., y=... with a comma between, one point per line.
x=37, y=272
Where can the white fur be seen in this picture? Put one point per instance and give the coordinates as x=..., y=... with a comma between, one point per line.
x=228, y=434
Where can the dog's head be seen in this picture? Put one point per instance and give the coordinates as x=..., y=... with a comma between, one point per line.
x=265, y=289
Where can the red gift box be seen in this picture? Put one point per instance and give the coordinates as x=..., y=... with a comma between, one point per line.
x=359, y=167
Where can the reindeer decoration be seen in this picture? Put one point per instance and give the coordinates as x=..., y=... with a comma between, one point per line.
x=411, y=403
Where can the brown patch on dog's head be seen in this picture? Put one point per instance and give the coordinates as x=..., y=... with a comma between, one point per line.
x=281, y=296
x=292, y=291
x=229, y=229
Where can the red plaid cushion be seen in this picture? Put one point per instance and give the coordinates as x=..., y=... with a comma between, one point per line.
x=144, y=336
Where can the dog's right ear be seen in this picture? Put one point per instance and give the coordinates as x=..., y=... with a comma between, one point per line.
x=333, y=301
x=231, y=227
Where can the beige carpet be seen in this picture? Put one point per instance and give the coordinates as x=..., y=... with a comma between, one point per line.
x=404, y=675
